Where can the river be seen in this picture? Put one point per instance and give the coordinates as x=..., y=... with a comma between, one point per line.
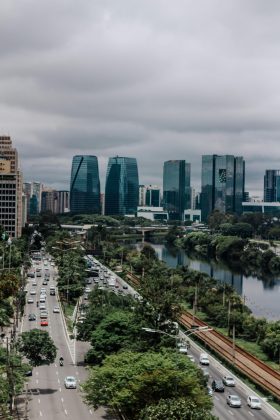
x=262, y=296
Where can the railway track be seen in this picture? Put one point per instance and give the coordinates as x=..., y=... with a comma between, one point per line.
x=248, y=364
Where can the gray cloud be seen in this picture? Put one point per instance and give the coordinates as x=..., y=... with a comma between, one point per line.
x=155, y=80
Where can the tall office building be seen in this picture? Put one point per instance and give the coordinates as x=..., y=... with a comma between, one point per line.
x=10, y=189
x=176, y=188
x=33, y=192
x=122, y=186
x=222, y=184
x=149, y=195
x=85, y=185
x=271, y=191
x=55, y=201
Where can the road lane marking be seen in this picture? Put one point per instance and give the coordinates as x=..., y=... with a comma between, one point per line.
x=56, y=372
x=37, y=373
x=77, y=373
x=62, y=400
x=41, y=414
x=55, y=365
x=39, y=400
x=37, y=381
x=65, y=411
x=60, y=389
x=251, y=414
x=58, y=380
x=217, y=398
x=230, y=412
x=90, y=412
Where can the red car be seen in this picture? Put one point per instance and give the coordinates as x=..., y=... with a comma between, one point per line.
x=44, y=323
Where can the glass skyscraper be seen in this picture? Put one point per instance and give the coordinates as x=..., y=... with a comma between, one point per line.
x=176, y=188
x=122, y=186
x=222, y=184
x=271, y=192
x=85, y=185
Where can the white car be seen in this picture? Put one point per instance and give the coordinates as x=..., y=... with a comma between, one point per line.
x=34, y=283
x=87, y=290
x=33, y=292
x=56, y=310
x=254, y=402
x=234, y=401
x=30, y=300
x=42, y=307
x=228, y=381
x=203, y=359
x=192, y=359
x=70, y=382
x=183, y=349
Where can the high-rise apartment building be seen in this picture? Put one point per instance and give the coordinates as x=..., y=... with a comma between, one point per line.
x=271, y=191
x=176, y=188
x=33, y=192
x=122, y=186
x=10, y=189
x=85, y=185
x=222, y=184
x=142, y=195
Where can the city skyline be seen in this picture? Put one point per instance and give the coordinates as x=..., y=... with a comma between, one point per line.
x=158, y=83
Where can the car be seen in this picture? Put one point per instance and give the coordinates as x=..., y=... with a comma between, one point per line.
x=45, y=282
x=89, y=281
x=28, y=372
x=217, y=385
x=44, y=323
x=46, y=268
x=70, y=382
x=192, y=359
x=30, y=300
x=34, y=283
x=87, y=290
x=209, y=390
x=42, y=299
x=44, y=315
x=183, y=349
x=203, y=359
x=42, y=307
x=39, y=274
x=52, y=264
x=254, y=402
x=205, y=372
x=43, y=290
x=56, y=310
x=32, y=292
x=125, y=286
x=85, y=297
x=31, y=317
x=228, y=381
x=234, y=401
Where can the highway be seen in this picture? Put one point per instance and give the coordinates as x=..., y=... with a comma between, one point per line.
x=50, y=399
x=216, y=371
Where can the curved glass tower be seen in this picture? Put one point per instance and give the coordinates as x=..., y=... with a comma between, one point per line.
x=85, y=185
x=122, y=186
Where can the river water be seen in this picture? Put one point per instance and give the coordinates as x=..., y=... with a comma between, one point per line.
x=262, y=296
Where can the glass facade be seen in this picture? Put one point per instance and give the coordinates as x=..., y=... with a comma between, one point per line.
x=122, y=186
x=152, y=198
x=222, y=184
x=176, y=188
x=85, y=185
x=271, y=193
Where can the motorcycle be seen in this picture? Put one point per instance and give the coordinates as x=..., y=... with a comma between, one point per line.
x=60, y=362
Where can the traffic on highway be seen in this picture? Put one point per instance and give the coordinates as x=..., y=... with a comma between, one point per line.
x=54, y=390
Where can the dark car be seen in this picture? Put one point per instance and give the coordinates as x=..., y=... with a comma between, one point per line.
x=31, y=317
x=28, y=372
x=218, y=386
x=45, y=283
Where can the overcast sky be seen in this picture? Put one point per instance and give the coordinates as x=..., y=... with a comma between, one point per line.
x=151, y=79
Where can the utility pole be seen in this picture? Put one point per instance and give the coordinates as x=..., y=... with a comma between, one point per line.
x=229, y=311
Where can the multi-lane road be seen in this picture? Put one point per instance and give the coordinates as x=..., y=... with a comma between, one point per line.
x=50, y=399
x=216, y=371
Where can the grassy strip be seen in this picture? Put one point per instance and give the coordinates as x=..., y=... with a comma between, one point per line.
x=68, y=309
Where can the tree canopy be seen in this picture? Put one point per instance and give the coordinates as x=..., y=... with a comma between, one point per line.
x=37, y=346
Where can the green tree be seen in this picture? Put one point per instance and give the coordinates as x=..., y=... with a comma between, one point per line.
x=131, y=381
x=118, y=330
x=37, y=346
x=176, y=409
